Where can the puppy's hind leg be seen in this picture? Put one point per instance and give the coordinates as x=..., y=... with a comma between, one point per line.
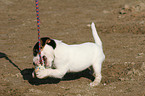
x=97, y=72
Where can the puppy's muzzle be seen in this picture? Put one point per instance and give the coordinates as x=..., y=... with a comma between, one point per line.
x=37, y=62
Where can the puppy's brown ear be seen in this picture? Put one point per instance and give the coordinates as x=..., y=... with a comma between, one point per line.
x=44, y=40
x=47, y=41
x=41, y=43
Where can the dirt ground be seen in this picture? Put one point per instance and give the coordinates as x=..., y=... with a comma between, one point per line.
x=120, y=25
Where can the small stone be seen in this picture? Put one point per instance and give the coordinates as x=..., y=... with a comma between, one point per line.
x=89, y=25
x=126, y=6
x=129, y=72
x=132, y=63
x=139, y=54
x=105, y=11
x=104, y=84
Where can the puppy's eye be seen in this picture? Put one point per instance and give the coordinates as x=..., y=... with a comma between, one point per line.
x=34, y=54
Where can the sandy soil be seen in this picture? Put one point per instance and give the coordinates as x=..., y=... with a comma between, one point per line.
x=120, y=24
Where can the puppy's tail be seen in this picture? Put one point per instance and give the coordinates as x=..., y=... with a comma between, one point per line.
x=95, y=35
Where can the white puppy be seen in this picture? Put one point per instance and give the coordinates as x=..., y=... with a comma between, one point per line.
x=70, y=58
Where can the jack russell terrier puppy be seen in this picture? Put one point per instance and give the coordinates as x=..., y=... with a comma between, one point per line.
x=62, y=58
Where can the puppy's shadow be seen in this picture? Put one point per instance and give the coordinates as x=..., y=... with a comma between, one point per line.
x=27, y=74
x=73, y=76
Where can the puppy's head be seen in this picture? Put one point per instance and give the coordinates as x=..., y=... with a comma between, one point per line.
x=45, y=41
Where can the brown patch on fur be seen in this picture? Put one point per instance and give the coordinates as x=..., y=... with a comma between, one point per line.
x=43, y=42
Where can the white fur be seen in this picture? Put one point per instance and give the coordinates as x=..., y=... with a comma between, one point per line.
x=73, y=58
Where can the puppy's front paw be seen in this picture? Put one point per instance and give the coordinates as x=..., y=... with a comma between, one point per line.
x=41, y=74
